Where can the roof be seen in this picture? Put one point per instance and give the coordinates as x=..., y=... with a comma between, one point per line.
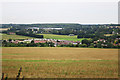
x=33, y=28
x=36, y=41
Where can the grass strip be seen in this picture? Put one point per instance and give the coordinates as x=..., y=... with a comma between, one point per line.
x=54, y=60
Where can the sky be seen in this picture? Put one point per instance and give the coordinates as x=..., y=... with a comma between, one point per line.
x=59, y=11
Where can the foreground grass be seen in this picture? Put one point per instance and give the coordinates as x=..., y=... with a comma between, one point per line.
x=60, y=62
x=61, y=37
x=61, y=69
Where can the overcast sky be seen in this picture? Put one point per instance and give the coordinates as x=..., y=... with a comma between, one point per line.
x=59, y=11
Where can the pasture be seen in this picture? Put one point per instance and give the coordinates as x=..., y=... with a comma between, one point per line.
x=60, y=62
x=47, y=36
x=6, y=36
x=61, y=37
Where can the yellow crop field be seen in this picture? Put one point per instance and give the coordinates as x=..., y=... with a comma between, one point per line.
x=60, y=62
x=4, y=29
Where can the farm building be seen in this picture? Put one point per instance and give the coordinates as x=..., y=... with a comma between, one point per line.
x=34, y=29
x=11, y=33
x=71, y=35
x=52, y=28
x=37, y=41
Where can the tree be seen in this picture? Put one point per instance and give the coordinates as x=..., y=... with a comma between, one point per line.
x=10, y=40
x=99, y=45
x=109, y=45
x=87, y=42
x=91, y=45
x=32, y=41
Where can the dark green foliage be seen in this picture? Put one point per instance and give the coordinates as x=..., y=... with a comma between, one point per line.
x=32, y=44
x=87, y=42
x=29, y=34
x=94, y=32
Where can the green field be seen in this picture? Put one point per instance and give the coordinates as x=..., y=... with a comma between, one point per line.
x=47, y=36
x=48, y=62
x=6, y=36
x=61, y=37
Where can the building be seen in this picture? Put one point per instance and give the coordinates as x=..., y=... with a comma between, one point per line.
x=71, y=35
x=52, y=28
x=33, y=29
x=11, y=33
x=38, y=41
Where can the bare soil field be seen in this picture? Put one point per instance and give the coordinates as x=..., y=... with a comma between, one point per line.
x=59, y=62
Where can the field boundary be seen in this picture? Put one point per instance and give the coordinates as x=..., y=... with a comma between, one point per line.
x=55, y=60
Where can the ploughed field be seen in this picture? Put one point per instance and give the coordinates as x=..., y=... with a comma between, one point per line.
x=60, y=62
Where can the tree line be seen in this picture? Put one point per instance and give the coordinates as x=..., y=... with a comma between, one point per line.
x=29, y=34
x=21, y=44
